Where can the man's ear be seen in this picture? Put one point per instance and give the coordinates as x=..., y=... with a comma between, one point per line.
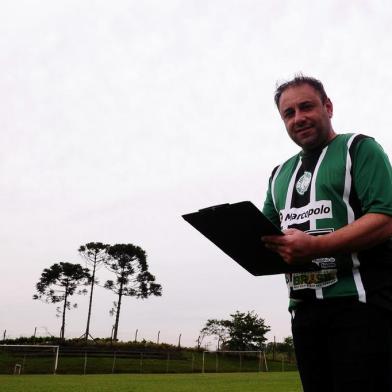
x=329, y=107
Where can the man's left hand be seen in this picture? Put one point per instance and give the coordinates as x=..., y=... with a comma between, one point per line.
x=295, y=246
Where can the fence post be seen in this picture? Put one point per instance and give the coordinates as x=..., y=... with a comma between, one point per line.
x=273, y=349
x=114, y=362
x=85, y=363
x=265, y=362
x=141, y=362
x=167, y=362
x=56, y=359
x=203, y=363
x=193, y=363
x=23, y=363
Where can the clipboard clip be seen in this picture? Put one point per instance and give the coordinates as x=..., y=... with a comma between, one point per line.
x=214, y=208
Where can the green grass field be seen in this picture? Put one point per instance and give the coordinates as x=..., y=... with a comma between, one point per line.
x=225, y=382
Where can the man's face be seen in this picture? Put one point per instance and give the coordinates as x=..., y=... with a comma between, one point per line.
x=306, y=118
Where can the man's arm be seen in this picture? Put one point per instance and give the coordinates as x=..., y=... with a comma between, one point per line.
x=269, y=209
x=297, y=247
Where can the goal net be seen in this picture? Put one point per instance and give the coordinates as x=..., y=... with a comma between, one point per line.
x=234, y=361
x=31, y=359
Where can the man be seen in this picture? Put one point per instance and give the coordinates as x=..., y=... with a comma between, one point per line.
x=333, y=201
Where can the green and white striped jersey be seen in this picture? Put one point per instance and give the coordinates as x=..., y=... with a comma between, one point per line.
x=322, y=191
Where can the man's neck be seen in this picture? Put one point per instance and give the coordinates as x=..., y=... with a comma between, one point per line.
x=317, y=149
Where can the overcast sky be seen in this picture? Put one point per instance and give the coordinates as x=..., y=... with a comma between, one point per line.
x=117, y=118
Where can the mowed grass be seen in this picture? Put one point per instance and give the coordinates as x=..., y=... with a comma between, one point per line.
x=225, y=382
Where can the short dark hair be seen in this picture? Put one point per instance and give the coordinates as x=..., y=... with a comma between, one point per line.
x=298, y=80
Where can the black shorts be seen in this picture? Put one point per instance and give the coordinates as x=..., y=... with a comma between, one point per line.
x=343, y=345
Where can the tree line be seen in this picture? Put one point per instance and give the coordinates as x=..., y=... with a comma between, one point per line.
x=244, y=331
x=127, y=262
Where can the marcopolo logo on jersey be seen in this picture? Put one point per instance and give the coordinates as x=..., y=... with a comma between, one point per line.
x=321, y=209
x=303, y=183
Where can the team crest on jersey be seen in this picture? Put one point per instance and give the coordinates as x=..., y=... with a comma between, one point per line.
x=303, y=183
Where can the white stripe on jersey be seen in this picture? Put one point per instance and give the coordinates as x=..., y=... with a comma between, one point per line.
x=273, y=185
x=350, y=219
x=274, y=201
x=288, y=204
x=289, y=194
x=313, y=222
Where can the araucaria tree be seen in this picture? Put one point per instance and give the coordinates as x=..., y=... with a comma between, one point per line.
x=244, y=331
x=58, y=283
x=95, y=253
x=129, y=263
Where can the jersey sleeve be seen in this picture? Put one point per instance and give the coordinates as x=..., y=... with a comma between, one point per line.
x=372, y=176
x=269, y=209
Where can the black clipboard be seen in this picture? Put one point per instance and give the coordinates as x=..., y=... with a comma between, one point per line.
x=237, y=230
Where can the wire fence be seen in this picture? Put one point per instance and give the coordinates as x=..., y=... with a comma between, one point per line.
x=69, y=360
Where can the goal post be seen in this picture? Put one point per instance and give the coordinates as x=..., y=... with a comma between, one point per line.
x=247, y=360
x=19, y=354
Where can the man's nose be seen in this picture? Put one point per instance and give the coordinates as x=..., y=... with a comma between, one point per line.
x=299, y=118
